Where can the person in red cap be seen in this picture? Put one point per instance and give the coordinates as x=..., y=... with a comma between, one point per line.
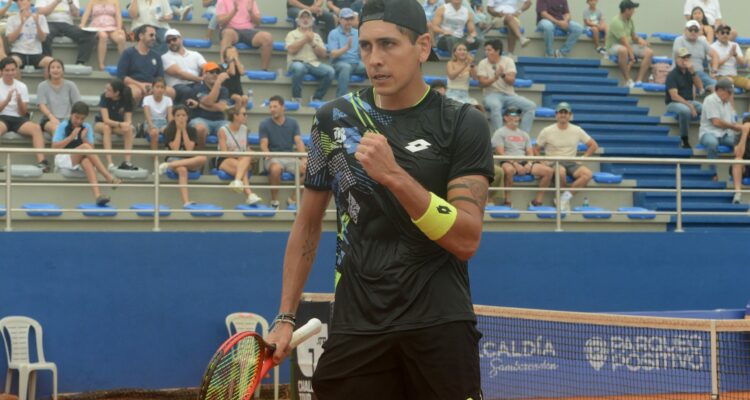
x=409, y=170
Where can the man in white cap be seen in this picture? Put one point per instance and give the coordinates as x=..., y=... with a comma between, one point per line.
x=182, y=67
x=700, y=51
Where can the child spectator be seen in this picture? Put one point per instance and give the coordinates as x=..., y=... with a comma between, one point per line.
x=106, y=20
x=116, y=116
x=594, y=19
x=157, y=111
x=75, y=133
x=55, y=97
x=235, y=70
x=706, y=29
x=26, y=32
x=181, y=137
x=233, y=137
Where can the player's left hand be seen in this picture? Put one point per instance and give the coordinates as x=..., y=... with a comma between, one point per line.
x=376, y=157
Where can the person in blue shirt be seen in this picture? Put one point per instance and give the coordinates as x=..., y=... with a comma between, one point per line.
x=140, y=65
x=343, y=48
x=75, y=133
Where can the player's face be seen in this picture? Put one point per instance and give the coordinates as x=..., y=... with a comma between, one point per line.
x=391, y=59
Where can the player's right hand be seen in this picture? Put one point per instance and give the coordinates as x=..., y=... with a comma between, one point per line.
x=281, y=335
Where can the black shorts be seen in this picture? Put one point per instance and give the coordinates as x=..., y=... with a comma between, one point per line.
x=435, y=363
x=43, y=121
x=13, y=123
x=570, y=167
x=246, y=35
x=29, y=59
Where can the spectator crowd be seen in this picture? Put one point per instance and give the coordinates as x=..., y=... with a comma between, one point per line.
x=186, y=99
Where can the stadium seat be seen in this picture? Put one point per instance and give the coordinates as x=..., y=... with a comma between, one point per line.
x=205, y=210
x=111, y=69
x=75, y=69
x=192, y=175
x=250, y=322
x=208, y=15
x=503, y=30
x=261, y=75
x=316, y=104
x=42, y=209
x=256, y=210
x=674, y=116
x=637, y=212
x=606, y=177
x=661, y=59
x=224, y=176
x=429, y=79
x=523, y=178
x=502, y=212
x=2, y=211
x=652, y=87
x=140, y=173
x=93, y=210
x=212, y=139
x=589, y=33
x=721, y=149
x=15, y=331
x=357, y=78
x=268, y=20
x=665, y=36
x=253, y=138
x=593, y=212
x=545, y=212
x=197, y=43
x=544, y=112
x=25, y=171
x=743, y=41
x=147, y=210
x=523, y=83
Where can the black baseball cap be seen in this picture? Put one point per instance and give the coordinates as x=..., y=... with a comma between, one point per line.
x=408, y=14
x=627, y=4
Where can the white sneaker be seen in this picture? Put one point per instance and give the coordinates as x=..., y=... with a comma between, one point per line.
x=163, y=167
x=525, y=41
x=236, y=186
x=565, y=201
x=275, y=204
x=290, y=202
x=559, y=54
x=630, y=84
x=253, y=199
x=184, y=11
x=111, y=167
x=737, y=199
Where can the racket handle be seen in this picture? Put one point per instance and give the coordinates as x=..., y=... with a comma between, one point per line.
x=311, y=328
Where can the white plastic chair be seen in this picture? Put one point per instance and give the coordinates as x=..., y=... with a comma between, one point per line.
x=248, y=322
x=15, y=332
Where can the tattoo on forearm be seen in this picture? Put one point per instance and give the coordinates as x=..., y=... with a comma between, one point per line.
x=464, y=198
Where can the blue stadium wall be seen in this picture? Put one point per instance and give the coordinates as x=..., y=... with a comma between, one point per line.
x=147, y=310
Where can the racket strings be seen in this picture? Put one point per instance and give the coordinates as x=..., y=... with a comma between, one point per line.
x=237, y=370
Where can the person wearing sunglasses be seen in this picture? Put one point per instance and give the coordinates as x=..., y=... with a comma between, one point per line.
x=182, y=67
x=700, y=52
x=729, y=58
x=208, y=102
x=711, y=10
x=140, y=65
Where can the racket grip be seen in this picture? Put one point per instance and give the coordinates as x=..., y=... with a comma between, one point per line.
x=311, y=328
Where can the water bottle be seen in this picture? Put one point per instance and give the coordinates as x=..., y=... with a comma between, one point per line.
x=651, y=78
x=586, y=202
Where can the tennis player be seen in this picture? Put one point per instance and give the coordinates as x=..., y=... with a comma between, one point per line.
x=409, y=171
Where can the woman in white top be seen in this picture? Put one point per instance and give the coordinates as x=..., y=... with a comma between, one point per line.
x=452, y=22
x=157, y=111
x=233, y=137
x=56, y=97
x=156, y=13
x=460, y=68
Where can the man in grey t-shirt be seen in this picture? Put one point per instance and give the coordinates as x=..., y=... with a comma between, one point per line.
x=279, y=133
x=700, y=51
x=512, y=141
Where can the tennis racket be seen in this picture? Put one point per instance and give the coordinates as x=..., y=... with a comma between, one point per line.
x=242, y=361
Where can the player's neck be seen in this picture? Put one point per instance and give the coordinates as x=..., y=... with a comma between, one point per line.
x=406, y=98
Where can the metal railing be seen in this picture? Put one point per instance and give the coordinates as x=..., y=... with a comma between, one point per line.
x=557, y=189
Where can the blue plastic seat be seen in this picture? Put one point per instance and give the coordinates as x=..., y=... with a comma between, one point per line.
x=243, y=46
x=249, y=105
x=545, y=212
x=523, y=83
x=212, y=139
x=661, y=59
x=653, y=87
x=224, y=176
x=2, y=211
x=523, y=178
x=544, y=112
x=588, y=32
x=607, y=177
x=205, y=210
x=260, y=75
x=504, y=30
x=665, y=36
x=721, y=149
x=147, y=210
x=429, y=79
x=93, y=210
x=637, y=212
x=256, y=210
x=593, y=212
x=192, y=175
x=111, y=69
x=505, y=212
x=42, y=209
x=357, y=78
x=253, y=138
x=279, y=46
x=197, y=43
x=268, y=20
x=743, y=41
x=161, y=138
x=208, y=15
x=305, y=139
